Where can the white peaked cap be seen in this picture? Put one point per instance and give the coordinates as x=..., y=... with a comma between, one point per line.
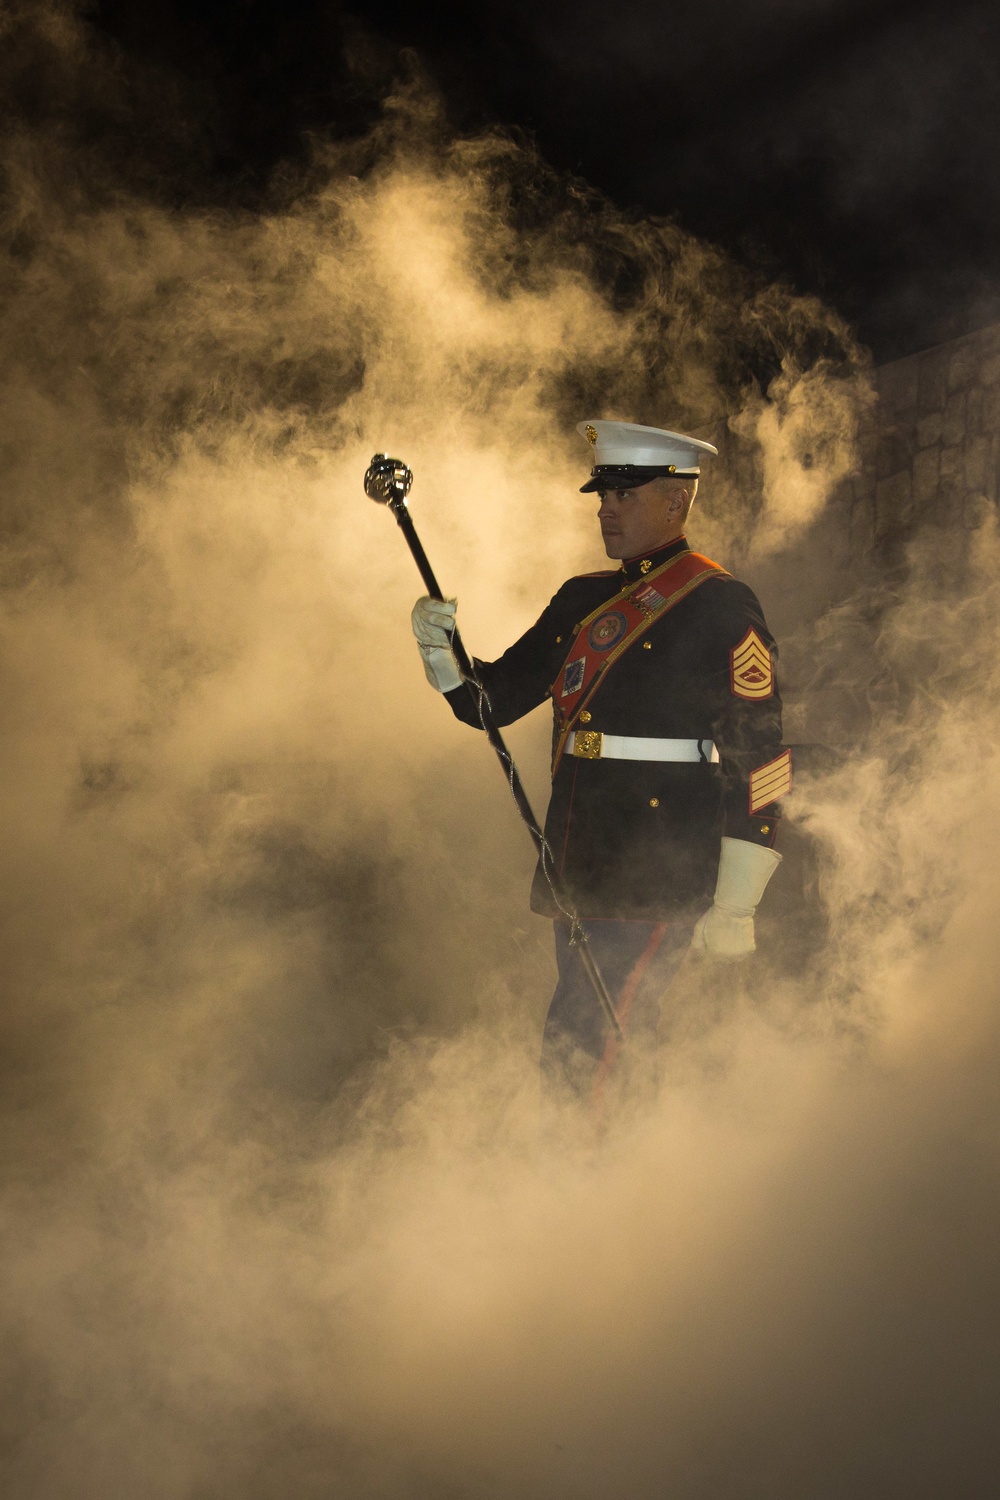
x=626, y=443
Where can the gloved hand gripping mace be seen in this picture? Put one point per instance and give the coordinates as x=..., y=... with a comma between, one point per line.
x=388, y=482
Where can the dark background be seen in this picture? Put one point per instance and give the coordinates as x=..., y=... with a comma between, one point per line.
x=850, y=146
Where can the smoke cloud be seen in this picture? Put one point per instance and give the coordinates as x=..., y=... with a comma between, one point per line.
x=281, y=1214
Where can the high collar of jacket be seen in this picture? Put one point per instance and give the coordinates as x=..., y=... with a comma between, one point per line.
x=637, y=567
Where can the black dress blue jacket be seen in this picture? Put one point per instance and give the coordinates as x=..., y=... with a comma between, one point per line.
x=640, y=839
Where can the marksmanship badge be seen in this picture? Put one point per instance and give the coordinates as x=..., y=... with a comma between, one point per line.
x=648, y=600
x=751, y=674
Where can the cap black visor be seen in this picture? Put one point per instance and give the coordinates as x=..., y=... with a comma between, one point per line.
x=627, y=477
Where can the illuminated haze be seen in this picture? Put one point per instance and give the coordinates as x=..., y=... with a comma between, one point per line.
x=279, y=1215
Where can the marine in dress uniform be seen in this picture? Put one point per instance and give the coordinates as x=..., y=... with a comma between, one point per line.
x=667, y=758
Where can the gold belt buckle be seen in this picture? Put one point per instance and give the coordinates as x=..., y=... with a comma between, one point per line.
x=587, y=744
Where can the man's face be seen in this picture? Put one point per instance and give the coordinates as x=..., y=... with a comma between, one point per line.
x=640, y=520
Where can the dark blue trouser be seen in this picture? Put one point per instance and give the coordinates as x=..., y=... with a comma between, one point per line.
x=637, y=961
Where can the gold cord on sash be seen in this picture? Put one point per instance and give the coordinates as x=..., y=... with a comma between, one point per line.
x=704, y=569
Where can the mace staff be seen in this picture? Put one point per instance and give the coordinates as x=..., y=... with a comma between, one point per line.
x=388, y=482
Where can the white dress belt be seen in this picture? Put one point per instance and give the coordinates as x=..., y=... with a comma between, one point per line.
x=591, y=744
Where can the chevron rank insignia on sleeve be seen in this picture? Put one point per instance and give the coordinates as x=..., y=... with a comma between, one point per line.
x=770, y=782
x=750, y=672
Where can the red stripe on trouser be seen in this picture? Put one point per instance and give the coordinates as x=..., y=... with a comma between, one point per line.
x=624, y=1007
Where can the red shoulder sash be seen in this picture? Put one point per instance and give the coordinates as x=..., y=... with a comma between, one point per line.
x=606, y=634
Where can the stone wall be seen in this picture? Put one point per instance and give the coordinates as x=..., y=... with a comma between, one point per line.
x=931, y=454
x=928, y=465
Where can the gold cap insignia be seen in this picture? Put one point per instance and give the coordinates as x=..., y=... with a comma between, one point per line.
x=591, y=434
x=671, y=468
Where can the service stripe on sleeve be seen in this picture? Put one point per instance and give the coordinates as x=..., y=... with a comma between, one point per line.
x=770, y=782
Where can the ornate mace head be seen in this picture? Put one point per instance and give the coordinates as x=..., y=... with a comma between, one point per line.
x=387, y=480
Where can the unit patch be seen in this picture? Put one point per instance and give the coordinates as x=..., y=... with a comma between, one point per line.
x=607, y=631
x=770, y=782
x=573, y=677
x=750, y=672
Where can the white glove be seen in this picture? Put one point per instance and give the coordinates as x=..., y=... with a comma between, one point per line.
x=725, y=932
x=433, y=621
